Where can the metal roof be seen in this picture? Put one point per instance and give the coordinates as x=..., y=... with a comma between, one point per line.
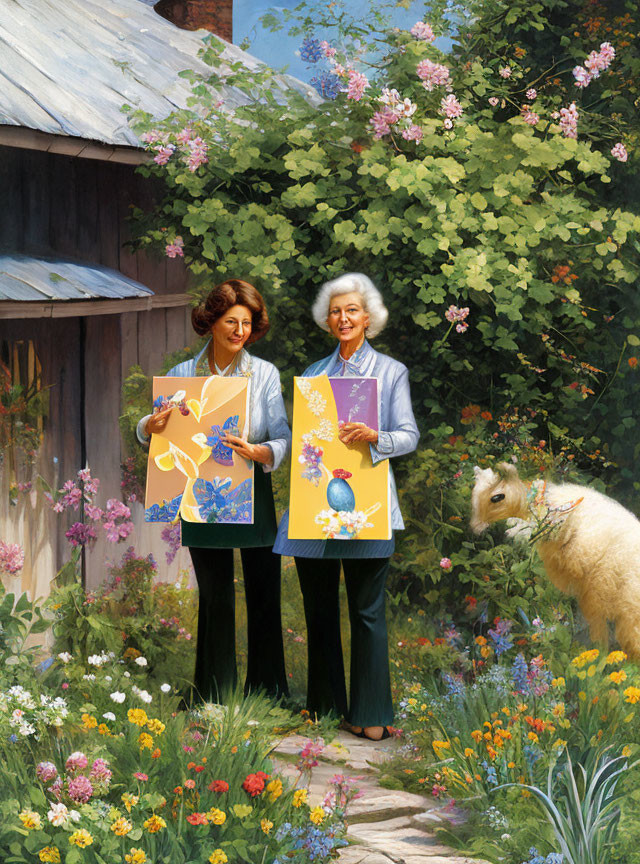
x=25, y=278
x=68, y=66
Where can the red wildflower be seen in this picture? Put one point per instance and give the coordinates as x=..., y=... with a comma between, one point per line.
x=342, y=474
x=254, y=783
x=471, y=602
x=189, y=784
x=197, y=819
x=199, y=768
x=422, y=640
x=357, y=148
x=218, y=786
x=633, y=362
x=140, y=776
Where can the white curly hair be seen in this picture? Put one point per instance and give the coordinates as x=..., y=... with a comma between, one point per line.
x=346, y=284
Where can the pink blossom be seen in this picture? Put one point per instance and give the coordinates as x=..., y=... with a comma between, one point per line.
x=413, y=133
x=150, y=137
x=446, y=564
x=493, y=101
x=461, y=327
x=11, y=558
x=447, y=123
x=532, y=94
x=432, y=74
x=529, y=116
x=607, y=53
x=454, y=313
x=163, y=154
x=56, y=788
x=80, y=789
x=569, y=121
x=598, y=61
x=382, y=121
x=338, y=69
x=197, y=154
x=184, y=136
x=422, y=30
x=77, y=761
x=94, y=513
x=46, y=771
x=357, y=85
x=174, y=249
x=139, y=775
x=327, y=50
x=619, y=152
x=307, y=758
x=80, y=534
x=450, y=106
x=100, y=772
x=583, y=78
x=505, y=72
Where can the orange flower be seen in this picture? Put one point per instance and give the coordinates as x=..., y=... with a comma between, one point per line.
x=633, y=362
x=486, y=415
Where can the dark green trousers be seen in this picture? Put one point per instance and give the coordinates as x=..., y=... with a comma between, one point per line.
x=365, y=578
x=216, y=671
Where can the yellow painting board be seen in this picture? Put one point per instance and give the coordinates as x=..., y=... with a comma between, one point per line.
x=336, y=491
x=191, y=473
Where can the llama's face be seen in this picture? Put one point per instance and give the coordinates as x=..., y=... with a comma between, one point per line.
x=496, y=496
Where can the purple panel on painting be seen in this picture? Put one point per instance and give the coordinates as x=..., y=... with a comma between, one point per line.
x=356, y=400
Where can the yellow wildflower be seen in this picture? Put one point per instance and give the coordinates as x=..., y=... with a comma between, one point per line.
x=533, y=737
x=49, y=855
x=469, y=753
x=317, y=815
x=145, y=741
x=586, y=657
x=558, y=709
x=30, y=819
x=217, y=817
x=218, y=857
x=558, y=682
x=137, y=716
x=274, y=788
x=121, y=827
x=300, y=797
x=506, y=711
x=81, y=838
x=154, y=824
x=129, y=800
x=135, y=856
x=511, y=764
x=616, y=657
x=266, y=825
x=103, y=729
x=560, y=743
x=626, y=750
x=582, y=695
x=441, y=745
x=242, y=810
x=88, y=721
x=156, y=726
x=618, y=676
x=632, y=695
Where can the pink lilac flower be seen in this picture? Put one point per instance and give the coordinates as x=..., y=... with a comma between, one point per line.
x=446, y=564
x=529, y=116
x=598, y=61
x=72, y=496
x=174, y=249
x=582, y=76
x=46, y=771
x=76, y=762
x=569, y=121
x=327, y=50
x=619, y=152
x=493, y=101
x=114, y=529
x=184, y=136
x=308, y=756
x=197, y=154
x=413, y=133
x=80, y=534
x=432, y=74
x=422, y=30
x=94, y=513
x=454, y=313
x=80, y=789
x=11, y=558
x=532, y=94
x=100, y=772
x=357, y=85
x=165, y=152
x=450, y=106
x=505, y=72
x=150, y=137
x=382, y=121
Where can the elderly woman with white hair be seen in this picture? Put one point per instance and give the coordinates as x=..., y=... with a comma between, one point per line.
x=351, y=309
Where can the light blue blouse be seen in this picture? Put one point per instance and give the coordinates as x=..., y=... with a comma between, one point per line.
x=267, y=416
x=397, y=436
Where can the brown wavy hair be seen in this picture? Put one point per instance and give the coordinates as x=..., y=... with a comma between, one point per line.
x=231, y=292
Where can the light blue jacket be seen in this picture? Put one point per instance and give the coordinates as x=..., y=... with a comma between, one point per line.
x=267, y=416
x=398, y=434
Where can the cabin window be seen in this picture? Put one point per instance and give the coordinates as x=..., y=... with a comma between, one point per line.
x=23, y=408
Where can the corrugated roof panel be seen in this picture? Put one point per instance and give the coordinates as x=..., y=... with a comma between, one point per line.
x=69, y=66
x=25, y=278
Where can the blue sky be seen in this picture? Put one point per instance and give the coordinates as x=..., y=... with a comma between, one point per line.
x=278, y=49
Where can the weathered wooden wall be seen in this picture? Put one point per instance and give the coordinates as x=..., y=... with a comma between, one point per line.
x=54, y=205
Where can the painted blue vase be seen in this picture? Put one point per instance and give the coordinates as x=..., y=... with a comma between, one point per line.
x=339, y=494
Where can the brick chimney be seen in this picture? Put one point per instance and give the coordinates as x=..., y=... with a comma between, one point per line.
x=213, y=15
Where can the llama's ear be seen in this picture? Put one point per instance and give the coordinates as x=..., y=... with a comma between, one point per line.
x=507, y=470
x=477, y=470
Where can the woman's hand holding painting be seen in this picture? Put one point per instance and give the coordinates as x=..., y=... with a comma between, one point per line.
x=255, y=452
x=354, y=433
x=157, y=422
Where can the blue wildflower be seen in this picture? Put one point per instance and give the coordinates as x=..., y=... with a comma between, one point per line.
x=455, y=685
x=492, y=774
x=531, y=756
x=519, y=673
x=500, y=636
x=310, y=50
x=327, y=84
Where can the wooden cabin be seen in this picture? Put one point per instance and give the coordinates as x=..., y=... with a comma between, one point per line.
x=77, y=308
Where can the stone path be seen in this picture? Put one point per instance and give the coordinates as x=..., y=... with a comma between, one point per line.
x=385, y=826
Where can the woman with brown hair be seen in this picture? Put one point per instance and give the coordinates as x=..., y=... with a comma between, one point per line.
x=234, y=315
